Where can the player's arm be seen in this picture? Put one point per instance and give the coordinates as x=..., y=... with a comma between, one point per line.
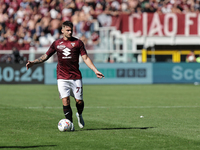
x=90, y=64
x=39, y=60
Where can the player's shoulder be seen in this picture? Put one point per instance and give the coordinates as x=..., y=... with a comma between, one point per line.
x=58, y=41
x=76, y=40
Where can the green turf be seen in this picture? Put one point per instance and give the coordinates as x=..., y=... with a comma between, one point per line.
x=29, y=115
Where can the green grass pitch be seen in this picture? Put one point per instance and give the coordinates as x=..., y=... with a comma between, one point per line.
x=29, y=115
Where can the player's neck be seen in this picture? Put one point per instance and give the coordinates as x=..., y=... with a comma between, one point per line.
x=67, y=39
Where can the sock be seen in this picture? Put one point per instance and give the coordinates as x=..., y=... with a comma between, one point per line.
x=80, y=107
x=68, y=112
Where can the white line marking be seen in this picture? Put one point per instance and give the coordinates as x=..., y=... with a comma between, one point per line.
x=146, y=107
x=106, y=107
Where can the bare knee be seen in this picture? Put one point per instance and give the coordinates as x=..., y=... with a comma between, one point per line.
x=66, y=101
x=79, y=102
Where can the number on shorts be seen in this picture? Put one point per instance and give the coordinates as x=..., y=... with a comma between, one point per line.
x=78, y=88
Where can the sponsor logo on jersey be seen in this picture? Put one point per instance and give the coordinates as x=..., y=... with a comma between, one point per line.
x=66, y=52
x=73, y=44
x=61, y=47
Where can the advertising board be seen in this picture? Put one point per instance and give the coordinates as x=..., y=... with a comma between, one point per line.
x=115, y=73
x=176, y=73
x=121, y=73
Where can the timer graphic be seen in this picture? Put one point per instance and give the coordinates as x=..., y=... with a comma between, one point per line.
x=17, y=73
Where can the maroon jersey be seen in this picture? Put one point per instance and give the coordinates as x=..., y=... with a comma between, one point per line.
x=68, y=52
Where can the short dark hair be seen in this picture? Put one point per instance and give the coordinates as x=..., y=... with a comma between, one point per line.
x=67, y=23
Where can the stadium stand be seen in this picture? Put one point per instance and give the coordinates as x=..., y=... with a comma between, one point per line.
x=36, y=23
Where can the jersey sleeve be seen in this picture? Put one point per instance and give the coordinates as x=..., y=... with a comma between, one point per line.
x=82, y=48
x=51, y=49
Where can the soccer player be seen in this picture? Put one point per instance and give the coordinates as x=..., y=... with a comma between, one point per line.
x=69, y=77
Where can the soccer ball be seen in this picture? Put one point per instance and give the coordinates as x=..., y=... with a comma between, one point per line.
x=64, y=125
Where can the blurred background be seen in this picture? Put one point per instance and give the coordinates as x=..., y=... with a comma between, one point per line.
x=114, y=31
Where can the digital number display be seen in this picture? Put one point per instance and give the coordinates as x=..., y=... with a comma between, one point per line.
x=17, y=74
x=131, y=73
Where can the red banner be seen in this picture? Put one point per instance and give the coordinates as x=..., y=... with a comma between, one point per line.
x=154, y=24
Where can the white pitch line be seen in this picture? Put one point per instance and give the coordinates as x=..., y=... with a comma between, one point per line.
x=145, y=107
x=107, y=107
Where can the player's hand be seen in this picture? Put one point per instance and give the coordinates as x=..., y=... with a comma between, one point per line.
x=99, y=74
x=29, y=64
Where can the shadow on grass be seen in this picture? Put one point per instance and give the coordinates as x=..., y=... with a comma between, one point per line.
x=36, y=146
x=141, y=128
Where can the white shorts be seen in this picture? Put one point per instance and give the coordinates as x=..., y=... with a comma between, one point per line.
x=72, y=88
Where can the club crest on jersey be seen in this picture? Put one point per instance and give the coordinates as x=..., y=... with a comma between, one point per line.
x=61, y=47
x=73, y=44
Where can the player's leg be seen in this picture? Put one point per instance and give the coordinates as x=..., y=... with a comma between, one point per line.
x=67, y=108
x=64, y=91
x=78, y=95
x=80, y=107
